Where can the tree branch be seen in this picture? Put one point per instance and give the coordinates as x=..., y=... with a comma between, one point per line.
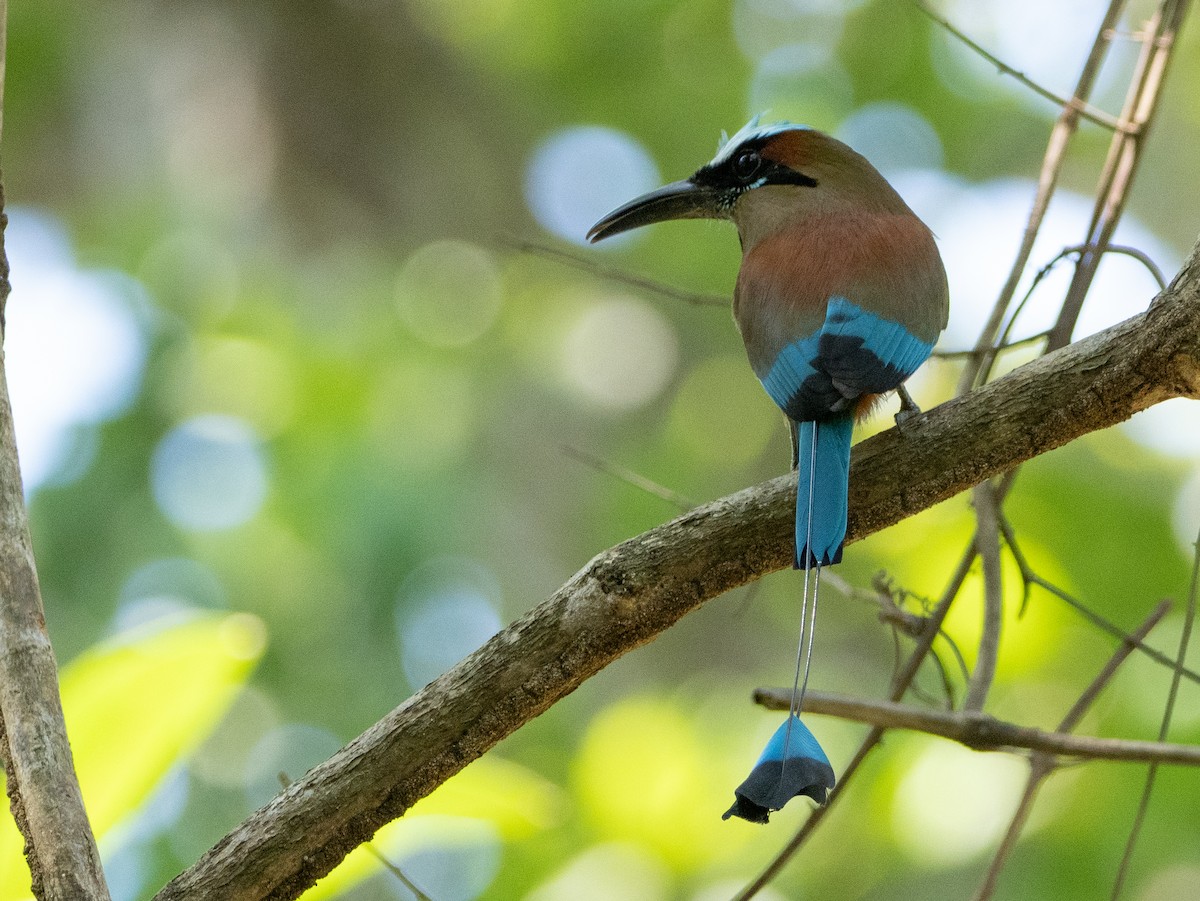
x=1124, y=156
x=982, y=732
x=987, y=544
x=627, y=595
x=1078, y=106
x=1042, y=765
x=1052, y=165
x=612, y=273
x=42, y=788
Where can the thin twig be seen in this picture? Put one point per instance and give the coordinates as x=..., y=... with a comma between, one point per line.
x=947, y=684
x=1100, y=622
x=889, y=600
x=285, y=780
x=1042, y=765
x=1084, y=110
x=1140, y=255
x=630, y=478
x=1126, y=250
x=1125, y=154
x=981, y=732
x=612, y=273
x=962, y=663
x=1052, y=163
x=397, y=872
x=1128, y=645
x=987, y=543
x=1185, y=638
x=974, y=354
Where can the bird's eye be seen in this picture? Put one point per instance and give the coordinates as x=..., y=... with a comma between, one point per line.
x=746, y=165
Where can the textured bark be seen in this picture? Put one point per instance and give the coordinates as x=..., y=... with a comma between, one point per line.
x=43, y=791
x=630, y=593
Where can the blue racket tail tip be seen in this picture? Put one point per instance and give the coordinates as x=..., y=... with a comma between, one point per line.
x=783, y=773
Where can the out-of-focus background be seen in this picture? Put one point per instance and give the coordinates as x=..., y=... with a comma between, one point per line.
x=278, y=364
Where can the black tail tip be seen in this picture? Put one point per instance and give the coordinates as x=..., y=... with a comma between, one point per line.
x=827, y=559
x=747, y=810
x=771, y=784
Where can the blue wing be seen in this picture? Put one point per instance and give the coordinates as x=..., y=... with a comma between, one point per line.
x=819, y=379
x=854, y=353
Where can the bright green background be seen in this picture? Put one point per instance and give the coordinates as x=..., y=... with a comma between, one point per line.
x=268, y=171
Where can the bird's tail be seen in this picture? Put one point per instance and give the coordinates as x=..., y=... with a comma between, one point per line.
x=793, y=762
x=821, y=523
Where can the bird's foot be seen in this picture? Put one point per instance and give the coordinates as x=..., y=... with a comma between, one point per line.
x=908, y=408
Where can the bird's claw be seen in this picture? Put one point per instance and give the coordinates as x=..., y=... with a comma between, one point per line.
x=908, y=408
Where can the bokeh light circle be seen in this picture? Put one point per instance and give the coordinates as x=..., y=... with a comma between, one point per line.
x=619, y=354
x=209, y=473
x=74, y=348
x=801, y=82
x=1172, y=428
x=893, y=136
x=578, y=175
x=953, y=804
x=449, y=293
x=446, y=608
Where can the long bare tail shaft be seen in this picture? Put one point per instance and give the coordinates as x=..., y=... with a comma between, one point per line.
x=807, y=619
x=793, y=762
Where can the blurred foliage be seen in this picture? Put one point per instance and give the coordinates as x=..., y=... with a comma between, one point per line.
x=311, y=205
x=134, y=706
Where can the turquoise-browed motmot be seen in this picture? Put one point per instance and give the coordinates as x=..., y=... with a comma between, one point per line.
x=840, y=297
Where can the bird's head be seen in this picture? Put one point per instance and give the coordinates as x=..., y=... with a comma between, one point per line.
x=764, y=177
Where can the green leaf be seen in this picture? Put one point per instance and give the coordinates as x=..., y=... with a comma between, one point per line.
x=135, y=706
x=491, y=799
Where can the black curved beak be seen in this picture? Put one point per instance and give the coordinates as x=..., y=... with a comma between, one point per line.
x=678, y=200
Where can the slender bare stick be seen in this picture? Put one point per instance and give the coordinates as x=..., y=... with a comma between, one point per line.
x=1129, y=644
x=1081, y=108
x=1056, y=151
x=397, y=872
x=972, y=353
x=627, y=475
x=1124, y=250
x=613, y=274
x=987, y=543
x=1042, y=765
x=1005, y=343
x=1185, y=638
x=1122, y=163
x=982, y=732
x=1100, y=622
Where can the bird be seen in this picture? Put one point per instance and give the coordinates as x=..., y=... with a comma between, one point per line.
x=841, y=295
